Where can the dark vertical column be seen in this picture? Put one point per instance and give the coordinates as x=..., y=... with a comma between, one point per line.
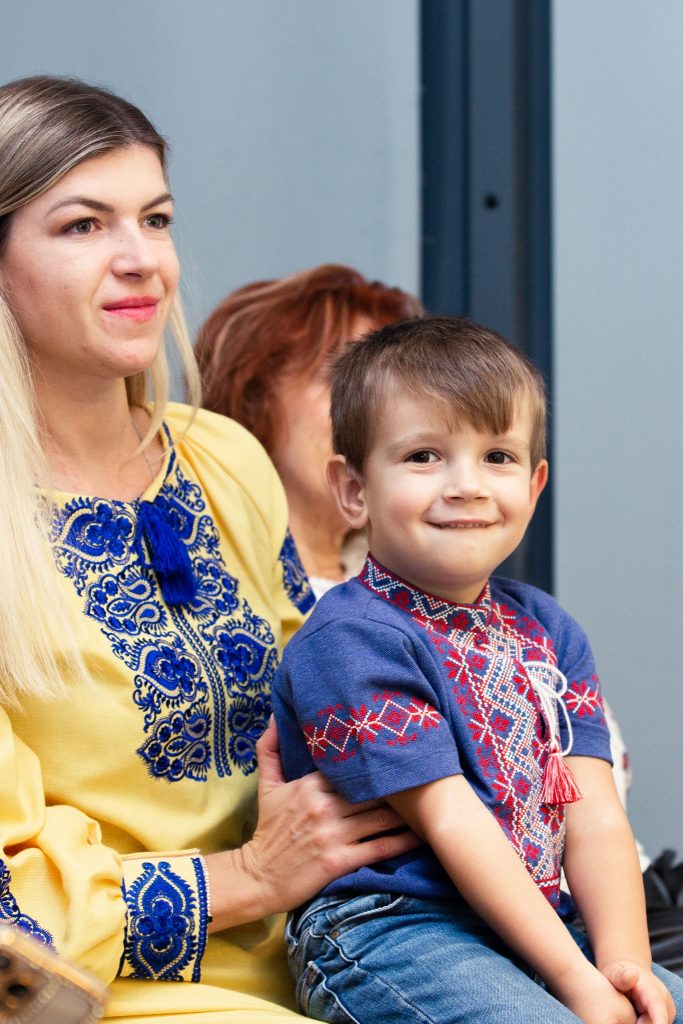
x=534, y=134
x=445, y=156
x=486, y=188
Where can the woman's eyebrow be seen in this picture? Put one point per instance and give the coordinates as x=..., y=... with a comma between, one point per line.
x=95, y=204
x=165, y=197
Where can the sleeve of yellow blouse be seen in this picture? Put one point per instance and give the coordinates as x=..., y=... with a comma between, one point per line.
x=57, y=880
x=236, y=453
x=167, y=901
x=292, y=591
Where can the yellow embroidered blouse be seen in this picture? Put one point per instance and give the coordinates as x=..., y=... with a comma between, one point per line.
x=108, y=797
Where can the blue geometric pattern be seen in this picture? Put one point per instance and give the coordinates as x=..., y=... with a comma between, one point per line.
x=297, y=587
x=10, y=913
x=161, y=937
x=201, y=670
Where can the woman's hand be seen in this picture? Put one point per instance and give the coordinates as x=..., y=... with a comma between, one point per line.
x=306, y=836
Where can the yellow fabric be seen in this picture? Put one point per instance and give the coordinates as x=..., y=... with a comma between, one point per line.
x=77, y=801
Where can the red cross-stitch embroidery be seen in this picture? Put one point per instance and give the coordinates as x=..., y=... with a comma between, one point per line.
x=394, y=718
x=584, y=699
x=487, y=651
x=492, y=688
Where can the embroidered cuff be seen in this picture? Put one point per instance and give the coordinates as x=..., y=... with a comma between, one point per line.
x=11, y=914
x=167, y=900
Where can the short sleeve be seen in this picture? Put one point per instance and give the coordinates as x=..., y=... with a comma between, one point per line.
x=583, y=699
x=359, y=700
x=541, y=619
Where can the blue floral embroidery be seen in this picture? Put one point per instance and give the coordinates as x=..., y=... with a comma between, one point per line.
x=161, y=940
x=127, y=602
x=179, y=745
x=197, y=668
x=204, y=919
x=296, y=582
x=10, y=913
x=247, y=719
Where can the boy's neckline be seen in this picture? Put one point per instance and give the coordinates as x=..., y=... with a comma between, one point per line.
x=430, y=610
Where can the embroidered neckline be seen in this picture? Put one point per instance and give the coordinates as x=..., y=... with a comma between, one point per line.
x=200, y=670
x=443, y=616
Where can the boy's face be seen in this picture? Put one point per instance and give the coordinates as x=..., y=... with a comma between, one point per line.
x=443, y=505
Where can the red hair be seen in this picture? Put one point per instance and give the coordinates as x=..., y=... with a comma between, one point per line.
x=290, y=326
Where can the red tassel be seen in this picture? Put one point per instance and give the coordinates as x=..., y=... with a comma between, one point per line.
x=559, y=785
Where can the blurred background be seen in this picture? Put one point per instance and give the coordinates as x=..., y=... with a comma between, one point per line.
x=517, y=161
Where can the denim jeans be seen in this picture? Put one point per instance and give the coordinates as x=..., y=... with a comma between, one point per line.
x=387, y=959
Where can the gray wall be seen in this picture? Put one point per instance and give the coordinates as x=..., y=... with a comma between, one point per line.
x=618, y=197
x=294, y=123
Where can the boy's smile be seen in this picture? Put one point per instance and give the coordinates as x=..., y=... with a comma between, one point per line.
x=444, y=503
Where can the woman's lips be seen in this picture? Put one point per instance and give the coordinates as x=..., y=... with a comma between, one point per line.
x=134, y=308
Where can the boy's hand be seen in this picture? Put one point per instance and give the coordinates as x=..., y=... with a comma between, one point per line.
x=592, y=998
x=650, y=997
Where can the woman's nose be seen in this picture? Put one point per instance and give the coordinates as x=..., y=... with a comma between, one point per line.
x=134, y=254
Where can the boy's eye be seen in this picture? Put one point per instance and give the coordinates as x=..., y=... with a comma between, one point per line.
x=422, y=457
x=158, y=220
x=498, y=458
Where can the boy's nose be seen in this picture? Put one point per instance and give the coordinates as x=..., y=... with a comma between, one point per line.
x=465, y=482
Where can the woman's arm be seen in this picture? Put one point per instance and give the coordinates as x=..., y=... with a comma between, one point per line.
x=305, y=837
x=57, y=880
x=145, y=915
x=493, y=880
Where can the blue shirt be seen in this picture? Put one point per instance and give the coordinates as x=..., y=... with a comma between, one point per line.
x=386, y=687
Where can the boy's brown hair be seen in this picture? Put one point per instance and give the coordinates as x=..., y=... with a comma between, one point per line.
x=475, y=373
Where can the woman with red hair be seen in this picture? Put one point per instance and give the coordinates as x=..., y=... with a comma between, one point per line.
x=264, y=356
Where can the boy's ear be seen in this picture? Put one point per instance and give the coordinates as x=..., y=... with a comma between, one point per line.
x=347, y=487
x=539, y=478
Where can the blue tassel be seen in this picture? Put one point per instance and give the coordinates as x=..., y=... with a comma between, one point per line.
x=168, y=554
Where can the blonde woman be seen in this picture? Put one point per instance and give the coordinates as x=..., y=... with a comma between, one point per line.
x=148, y=584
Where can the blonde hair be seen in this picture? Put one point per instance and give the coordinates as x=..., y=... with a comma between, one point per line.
x=48, y=126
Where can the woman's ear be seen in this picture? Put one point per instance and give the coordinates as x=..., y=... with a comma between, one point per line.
x=346, y=485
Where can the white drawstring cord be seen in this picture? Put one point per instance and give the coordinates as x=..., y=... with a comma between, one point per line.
x=550, y=686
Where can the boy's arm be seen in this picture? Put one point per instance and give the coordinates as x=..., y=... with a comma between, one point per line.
x=603, y=872
x=493, y=880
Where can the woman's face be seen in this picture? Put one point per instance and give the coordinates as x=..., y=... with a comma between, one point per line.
x=90, y=271
x=305, y=439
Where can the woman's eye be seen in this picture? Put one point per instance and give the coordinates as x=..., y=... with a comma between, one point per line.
x=159, y=221
x=422, y=457
x=499, y=458
x=81, y=227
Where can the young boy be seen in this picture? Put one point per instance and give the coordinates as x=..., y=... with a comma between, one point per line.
x=454, y=696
